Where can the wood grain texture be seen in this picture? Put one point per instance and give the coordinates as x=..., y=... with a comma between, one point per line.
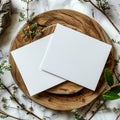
x=66, y=96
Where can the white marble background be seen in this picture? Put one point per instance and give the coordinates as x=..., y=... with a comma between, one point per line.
x=41, y=6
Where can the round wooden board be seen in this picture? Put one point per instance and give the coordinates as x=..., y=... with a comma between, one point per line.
x=66, y=96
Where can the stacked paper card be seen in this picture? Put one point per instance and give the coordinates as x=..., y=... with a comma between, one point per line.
x=28, y=59
x=64, y=55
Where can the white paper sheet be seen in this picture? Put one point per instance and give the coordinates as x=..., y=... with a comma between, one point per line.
x=75, y=57
x=28, y=59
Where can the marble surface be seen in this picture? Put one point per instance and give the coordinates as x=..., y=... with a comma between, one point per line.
x=40, y=6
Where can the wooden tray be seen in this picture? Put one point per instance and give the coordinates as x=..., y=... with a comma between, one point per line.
x=66, y=96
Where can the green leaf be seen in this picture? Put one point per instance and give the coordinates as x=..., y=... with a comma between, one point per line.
x=103, y=5
x=22, y=106
x=4, y=100
x=32, y=15
x=33, y=26
x=22, y=15
x=110, y=96
x=4, y=67
x=5, y=106
x=116, y=89
x=1, y=85
x=108, y=77
x=3, y=116
x=113, y=93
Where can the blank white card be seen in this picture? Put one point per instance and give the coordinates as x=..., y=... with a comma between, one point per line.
x=27, y=59
x=75, y=57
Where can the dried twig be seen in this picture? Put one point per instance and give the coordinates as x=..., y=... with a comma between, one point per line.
x=15, y=99
x=105, y=15
x=117, y=117
x=7, y=115
x=96, y=110
x=116, y=77
x=28, y=21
